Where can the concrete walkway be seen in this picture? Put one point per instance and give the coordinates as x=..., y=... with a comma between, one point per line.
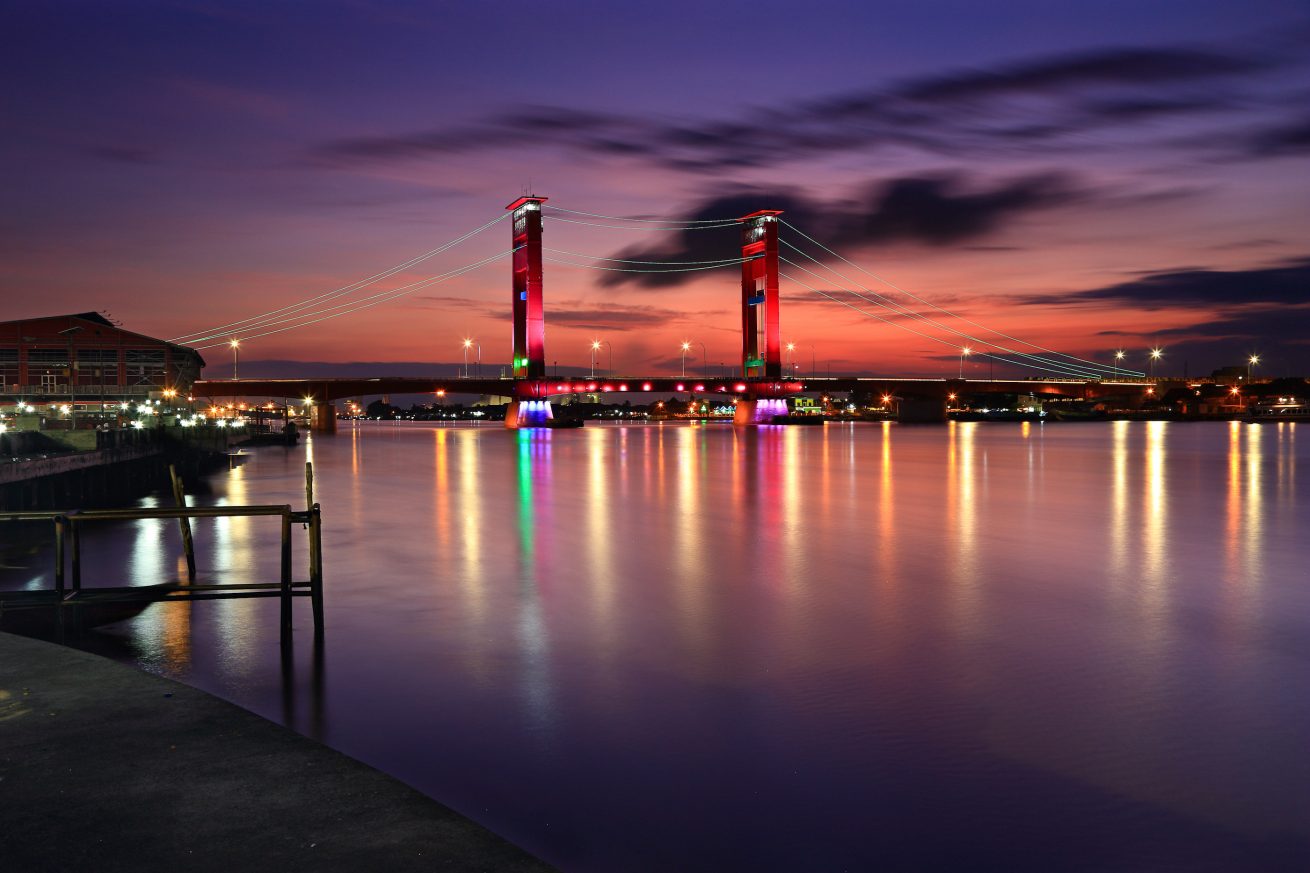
x=105, y=768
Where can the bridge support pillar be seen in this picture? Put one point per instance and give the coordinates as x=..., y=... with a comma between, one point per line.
x=323, y=418
x=752, y=413
x=528, y=413
x=913, y=410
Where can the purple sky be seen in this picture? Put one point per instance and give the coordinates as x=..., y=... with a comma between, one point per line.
x=1119, y=175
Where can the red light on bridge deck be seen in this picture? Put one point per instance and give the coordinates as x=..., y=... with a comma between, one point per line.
x=700, y=387
x=623, y=387
x=591, y=386
x=740, y=387
x=563, y=387
x=608, y=388
x=681, y=387
x=645, y=386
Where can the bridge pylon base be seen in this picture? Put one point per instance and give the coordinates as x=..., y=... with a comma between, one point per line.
x=323, y=418
x=752, y=413
x=528, y=413
x=921, y=411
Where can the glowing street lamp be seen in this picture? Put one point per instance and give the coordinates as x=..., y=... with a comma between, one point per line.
x=791, y=358
x=686, y=347
x=595, y=349
x=964, y=353
x=468, y=344
x=236, y=356
x=1252, y=361
x=1156, y=354
x=1118, y=356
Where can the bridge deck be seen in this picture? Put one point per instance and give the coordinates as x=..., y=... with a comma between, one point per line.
x=327, y=390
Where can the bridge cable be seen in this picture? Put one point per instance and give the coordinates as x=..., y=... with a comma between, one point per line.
x=904, y=327
x=631, y=261
x=905, y=311
x=256, y=321
x=360, y=304
x=635, y=270
x=722, y=222
x=913, y=296
x=644, y=228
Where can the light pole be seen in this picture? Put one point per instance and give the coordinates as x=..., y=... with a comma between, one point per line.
x=964, y=353
x=1250, y=374
x=791, y=358
x=236, y=356
x=1118, y=356
x=609, y=350
x=686, y=347
x=1156, y=354
x=705, y=361
x=595, y=348
x=468, y=344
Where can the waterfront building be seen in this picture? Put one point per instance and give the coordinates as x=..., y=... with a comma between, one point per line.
x=88, y=363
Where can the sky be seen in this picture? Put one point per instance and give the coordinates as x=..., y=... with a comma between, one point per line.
x=1117, y=175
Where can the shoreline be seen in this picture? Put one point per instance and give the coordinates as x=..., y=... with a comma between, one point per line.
x=108, y=768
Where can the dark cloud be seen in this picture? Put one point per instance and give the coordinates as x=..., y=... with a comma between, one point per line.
x=1038, y=103
x=1279, y=334
x=1283, y=284
x=1291, y=139
x=613, y=317
x=1109, y=67
x=1262, y=310
x=936, y=210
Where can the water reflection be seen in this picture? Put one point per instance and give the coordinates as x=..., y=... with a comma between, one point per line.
x=1091, y=633
x=534, y=519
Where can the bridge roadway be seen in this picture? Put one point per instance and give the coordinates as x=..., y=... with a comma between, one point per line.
x=328, y=390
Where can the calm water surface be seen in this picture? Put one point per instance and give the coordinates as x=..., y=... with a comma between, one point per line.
x=855, y=647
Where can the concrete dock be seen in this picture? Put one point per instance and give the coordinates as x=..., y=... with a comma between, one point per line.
x=106, y=768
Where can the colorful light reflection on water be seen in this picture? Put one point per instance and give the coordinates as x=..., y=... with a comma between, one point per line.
x=978, y=646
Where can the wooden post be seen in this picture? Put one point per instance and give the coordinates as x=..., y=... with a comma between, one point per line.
x=184, y=524
x=316, y=567
x=286, y=577
x=75, y=530
x=61, y=525
x=309, y=484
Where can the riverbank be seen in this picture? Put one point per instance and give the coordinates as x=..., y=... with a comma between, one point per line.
x=83, y=469
x=106, y=768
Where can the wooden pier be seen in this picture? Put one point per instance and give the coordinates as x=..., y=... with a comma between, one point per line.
x=74, y=604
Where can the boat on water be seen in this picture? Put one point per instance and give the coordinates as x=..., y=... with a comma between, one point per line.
x=1281, y=409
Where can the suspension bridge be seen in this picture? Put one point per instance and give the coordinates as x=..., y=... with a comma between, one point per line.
x=762, y=384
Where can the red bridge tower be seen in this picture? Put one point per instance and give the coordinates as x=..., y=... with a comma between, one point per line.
x=529, y=310
x=761, y=344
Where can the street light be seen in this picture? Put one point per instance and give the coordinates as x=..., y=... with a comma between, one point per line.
x=236, y=356
x=1118, y=356
x=595, y=349
x=791, y=357
x=468, y=344
x=964, y=353
x=686, y=347
x=1156, y=354
x=1253, y=360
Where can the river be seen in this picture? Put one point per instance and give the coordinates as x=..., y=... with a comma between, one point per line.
x=1020, y=647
